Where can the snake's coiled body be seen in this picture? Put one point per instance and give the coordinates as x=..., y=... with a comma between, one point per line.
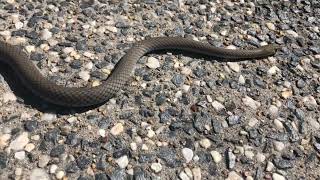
x=87, y=96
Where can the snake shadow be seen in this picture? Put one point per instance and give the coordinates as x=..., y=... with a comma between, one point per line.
x=26, y=97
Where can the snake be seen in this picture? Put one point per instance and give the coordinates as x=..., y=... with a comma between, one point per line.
x=30, y=76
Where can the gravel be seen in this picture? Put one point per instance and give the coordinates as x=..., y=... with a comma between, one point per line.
x=180, y=116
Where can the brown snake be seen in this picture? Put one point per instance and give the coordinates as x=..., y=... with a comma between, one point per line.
x=30, y=76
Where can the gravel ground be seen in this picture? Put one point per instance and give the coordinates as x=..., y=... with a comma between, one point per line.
x=181, y=117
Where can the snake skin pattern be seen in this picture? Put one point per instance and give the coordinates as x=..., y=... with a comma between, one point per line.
x=31, y=77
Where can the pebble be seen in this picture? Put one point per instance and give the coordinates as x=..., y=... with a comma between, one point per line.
x=273, y=112
x=260, y=157
x=20, y=142
x=217, y=157
x=53, y=168
x=205, y=143
x=45, y=34
x=20, y=155
x=276, y=176
x=231, y=159
x=43, y=161
x=8, y=96
x=4, y=138
x=286, y=93
x=310, y=102
x=153, y=63
x=248, y=101
x=241, y=80
x=117, y=129
x=292, y=33
x=273, y=70
x=84, y=75
x=271, y=26
x=234, y=66
x=156, y=167
x=279, y=146
x=233, y=176
x=111, y=29
x=217, y=106
x=278, y=124
x=187, y=154
x=183, y=176
x=186, y=71
x=60, y=174
x=196, y=172
x=37, y=174
x=18, y=171
x=253, y=122
x=48, y=117
x=122, y=162
x=270, y=166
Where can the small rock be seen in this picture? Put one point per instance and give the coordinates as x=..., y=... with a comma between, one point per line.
x=234, y=66
x=20, y=155
x=205, y=143
x=187, y=154
x=248, y=101
x=20, y=142
x=293, y=33
x=241, y=80
x=37, y=174
x=234, y=176
x=271, y=26
x=217, y=157
x=196, y=173
x=153, y=63
x=48, y=117
x=60, y=174
x=183, y=176
x=260, y=157
x=111, y=29
x=45, y=34
x=8, y=96
x=156, y=167
x=278, y=124
x=43, y=161
x=4, y=138
x=218, y=106
x=53, y=168
x=276, y=176
x=231, y=159
x=122, y=162
x=279, y=146
x=29, y=147
x=270, y=166
x=84, y=75
x=310, y=102
x=273, y=112
x=117, y=129
x=273, y=70
x=286, y=93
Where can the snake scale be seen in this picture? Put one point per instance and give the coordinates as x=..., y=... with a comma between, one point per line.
x=31, y=77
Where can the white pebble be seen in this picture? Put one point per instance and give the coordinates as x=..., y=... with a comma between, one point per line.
x=185, y=88
x=102, y=132
x=53, y=168
x=20, y=142
x=273, y=70
x=183, y=176
x=270, y=166
x=117, y=129
x=234, y=66
x=234, y=176
x=37, y=174
x=133, y=146
x=20, y=155
x=111, y=29
x=196, y=173
x=293, y=33
x=45, y=34
x=187, y=154
x=271, y=26
x=156, y=167
x=29, y=147
x=260, y=157
x=8, y=96
x=153, y=63
x=248, y=101
x=241, y=80
x=43, y=160
x=48, y=117
x=279, y=146
x=217, y=105
x=122, y=162
x=60, y=174
x=18, y=25
x=186, y=71
x=18, y=172
x=253, y=122
x=205, y=143
x=276, y=176
x=85, y=75
x=217, y=157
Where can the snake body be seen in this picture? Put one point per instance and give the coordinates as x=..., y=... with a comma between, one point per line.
x=31, y=77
